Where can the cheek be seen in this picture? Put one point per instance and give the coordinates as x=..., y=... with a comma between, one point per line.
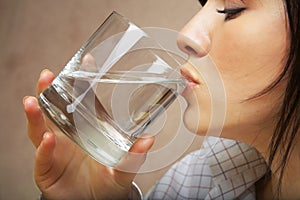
x=249, y=54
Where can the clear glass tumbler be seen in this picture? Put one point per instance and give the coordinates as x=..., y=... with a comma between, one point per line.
x=112, y=89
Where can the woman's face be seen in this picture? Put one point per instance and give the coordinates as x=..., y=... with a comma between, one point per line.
x=247, y=40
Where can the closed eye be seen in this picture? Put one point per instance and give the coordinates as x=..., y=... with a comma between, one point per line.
x=231, y=13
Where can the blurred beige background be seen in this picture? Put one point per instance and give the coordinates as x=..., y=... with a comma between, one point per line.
x=45, y=33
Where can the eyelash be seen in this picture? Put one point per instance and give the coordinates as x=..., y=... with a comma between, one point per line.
x=231, y=13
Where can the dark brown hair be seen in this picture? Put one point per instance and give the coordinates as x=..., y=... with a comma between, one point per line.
x=288, y=125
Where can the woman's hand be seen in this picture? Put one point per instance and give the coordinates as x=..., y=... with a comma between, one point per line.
x=62, y=170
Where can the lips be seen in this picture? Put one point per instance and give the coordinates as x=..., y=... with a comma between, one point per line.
x=191, y=74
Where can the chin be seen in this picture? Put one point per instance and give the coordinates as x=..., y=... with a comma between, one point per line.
x=194, y=123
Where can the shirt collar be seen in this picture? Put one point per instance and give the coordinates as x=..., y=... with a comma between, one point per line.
x=235, y=166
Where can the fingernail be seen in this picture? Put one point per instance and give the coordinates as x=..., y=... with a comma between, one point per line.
x=45, y=70
x=24, y=99
x=44, y=73
x=29, y=100
x=46, y=135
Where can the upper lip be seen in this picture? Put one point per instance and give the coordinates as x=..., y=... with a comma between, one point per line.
x=191, y=76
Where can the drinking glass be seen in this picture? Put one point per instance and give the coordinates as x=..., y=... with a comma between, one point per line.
x=112, y=89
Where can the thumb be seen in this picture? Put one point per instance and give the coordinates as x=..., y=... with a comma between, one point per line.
x=44, y=157
x=126, y=170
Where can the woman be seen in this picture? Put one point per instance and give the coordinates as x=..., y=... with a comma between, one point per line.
x=254, y=44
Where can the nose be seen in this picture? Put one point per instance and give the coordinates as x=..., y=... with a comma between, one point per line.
x=194, y=39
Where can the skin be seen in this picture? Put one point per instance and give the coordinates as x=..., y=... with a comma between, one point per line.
x=248, y=50
x=255, y=51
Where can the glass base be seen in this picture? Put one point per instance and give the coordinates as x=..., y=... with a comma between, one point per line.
x=100, y=140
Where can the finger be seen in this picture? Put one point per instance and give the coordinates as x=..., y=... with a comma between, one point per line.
x=142, y=145
x=44, y=159
x=36, y=126
x=46, y=77
x=130, y=164
x=88, y=61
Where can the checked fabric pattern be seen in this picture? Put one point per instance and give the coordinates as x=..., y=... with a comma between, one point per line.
x=223, y=169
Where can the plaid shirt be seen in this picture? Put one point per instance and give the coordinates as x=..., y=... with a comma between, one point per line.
x=224, y=169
